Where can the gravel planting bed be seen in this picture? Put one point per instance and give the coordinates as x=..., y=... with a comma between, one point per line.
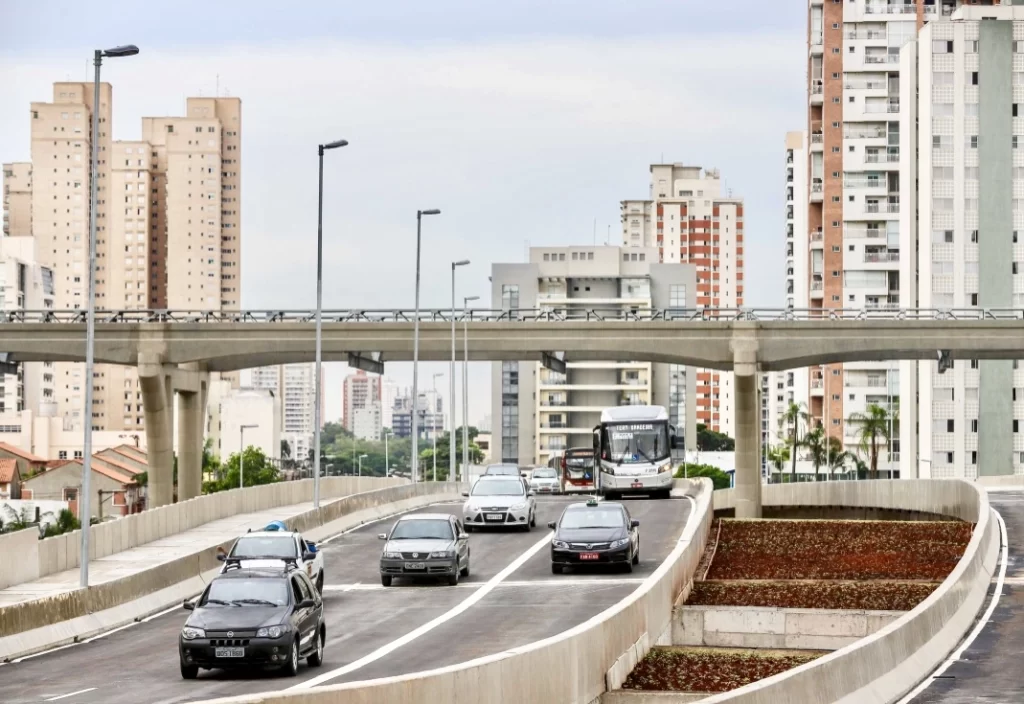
x=668, y=669
x=791, y=594
x=839, y=550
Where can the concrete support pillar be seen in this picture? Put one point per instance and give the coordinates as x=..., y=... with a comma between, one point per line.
x=155, y=378
x=748, y=426
x=191, y=385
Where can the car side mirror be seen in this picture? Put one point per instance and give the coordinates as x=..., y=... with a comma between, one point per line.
x=552, y=525
x=309, y=556
x=465, y=493
x=674, y=443
x=188, y=605
x=634, y=523
x=311, y=546
x=306, y=604
x=382, y=536
x=222, y=557
x=529, y=493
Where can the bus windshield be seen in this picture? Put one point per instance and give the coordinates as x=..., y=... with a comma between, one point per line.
x=634, y=443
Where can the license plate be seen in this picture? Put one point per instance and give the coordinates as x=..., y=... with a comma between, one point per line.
x=494, y=517
x=637, y=485
x=588, y=555
x=229, y=652
x=415, y=566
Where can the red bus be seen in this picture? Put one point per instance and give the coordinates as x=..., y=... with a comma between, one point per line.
x=578, y=471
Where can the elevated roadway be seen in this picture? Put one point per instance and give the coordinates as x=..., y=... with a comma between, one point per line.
x=510, y=599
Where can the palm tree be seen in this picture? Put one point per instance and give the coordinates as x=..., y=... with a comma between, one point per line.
x=791, y=420
x=817, y=447
x=778, y=455
x=875, y=426
x=837, y=456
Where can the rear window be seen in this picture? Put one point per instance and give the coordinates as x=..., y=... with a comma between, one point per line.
x=278, y=546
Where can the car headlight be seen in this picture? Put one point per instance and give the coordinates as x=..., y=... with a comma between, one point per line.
x=443, y=553
x=560, y=544
x=271, y=632
x=190, y=633
x=392, y=556
x=619, y=543
x=664, y=468
x=518, y=507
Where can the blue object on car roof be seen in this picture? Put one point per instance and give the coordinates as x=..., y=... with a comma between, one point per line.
x=276, y=525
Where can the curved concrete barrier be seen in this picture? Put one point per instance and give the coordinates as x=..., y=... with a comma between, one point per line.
x=39, y=624
x=574, y=667
x=888, y=664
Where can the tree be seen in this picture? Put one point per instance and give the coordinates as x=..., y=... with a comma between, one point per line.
x=816, y=445
x=796, y=415
x=837, y=456
x=476, y=455
x=778, y=455
x=65, y=523
x=719, y=478
x=711, y=441
x=873, y=430
x=258, y=470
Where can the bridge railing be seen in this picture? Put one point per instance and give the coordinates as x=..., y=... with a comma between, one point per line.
x=561, y=313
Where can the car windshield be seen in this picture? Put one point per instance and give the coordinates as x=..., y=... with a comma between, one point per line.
x=264, y=546
x=247, y=592
x=499, y=487
x=544, y=474
x=631, y=443
x=422, y=529
x=503, y=470
x=592, y=517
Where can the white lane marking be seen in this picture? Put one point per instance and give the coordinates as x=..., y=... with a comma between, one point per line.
x=430, y=625
x=193, y=598
x=597, y=581
x=982, y=622
x=69, y=694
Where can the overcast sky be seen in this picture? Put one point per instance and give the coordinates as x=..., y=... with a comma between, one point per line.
x=524, y=121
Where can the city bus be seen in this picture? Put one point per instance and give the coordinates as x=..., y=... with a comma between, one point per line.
x=633, y=445
x=578, y=475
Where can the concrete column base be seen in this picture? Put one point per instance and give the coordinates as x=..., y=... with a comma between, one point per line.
x=155, y=378
x=748, y=447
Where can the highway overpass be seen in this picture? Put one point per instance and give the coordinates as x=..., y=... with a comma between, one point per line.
x=175, y=350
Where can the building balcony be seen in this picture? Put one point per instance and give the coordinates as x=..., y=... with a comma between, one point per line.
x=855, y=34
x=883, y=9
x=817, y=191
x=890, y=157
x=817, y=91
x=564, y=430
x=817, y=387
x=817, y=290
x=882, y=208
x=881, y=257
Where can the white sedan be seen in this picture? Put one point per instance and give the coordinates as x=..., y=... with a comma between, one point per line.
x=499, y=501
x=268, y=548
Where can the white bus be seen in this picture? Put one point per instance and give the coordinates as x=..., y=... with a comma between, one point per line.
x=634, y=447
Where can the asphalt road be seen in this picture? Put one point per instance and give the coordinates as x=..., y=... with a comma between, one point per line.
x=987, y=671
x=510, y=599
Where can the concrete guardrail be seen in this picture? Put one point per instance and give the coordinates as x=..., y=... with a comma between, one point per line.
x=38, y=624
x=574, y=667
x=889, y=663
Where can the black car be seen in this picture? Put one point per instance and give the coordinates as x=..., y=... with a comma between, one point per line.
x=254, y=617
x=595, y=533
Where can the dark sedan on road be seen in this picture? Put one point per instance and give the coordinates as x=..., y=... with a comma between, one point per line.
x=425, y=545
x=254, y=617
x=595, y=533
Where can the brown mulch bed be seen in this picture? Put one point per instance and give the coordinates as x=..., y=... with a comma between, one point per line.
x=839, y=550
x=874, y=596
x=711, y=669
x=709, y=550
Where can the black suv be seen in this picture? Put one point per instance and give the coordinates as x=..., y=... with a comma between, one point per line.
x=254, y=617
x=595, y=533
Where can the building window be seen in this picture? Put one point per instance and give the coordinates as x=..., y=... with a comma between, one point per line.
x=510, y=297
x=62, y=455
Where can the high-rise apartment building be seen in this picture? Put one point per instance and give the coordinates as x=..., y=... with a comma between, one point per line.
x=543, y=412
x=962, y=83
x=17, y=203
x=359, y=390
x=167, y=223
x=294, y=385
x=688, y=220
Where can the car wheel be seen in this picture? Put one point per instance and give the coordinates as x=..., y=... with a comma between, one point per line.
x=628, y=565
x=636, y=558
x=317, y=658
x=556, y=569
x=320, y=582
x=453, y=580
x=469, y=528
x=189, y=672
x=385, y=580
x=611, y=496
x=533, y=520
x=291, y=668
x=465, y=570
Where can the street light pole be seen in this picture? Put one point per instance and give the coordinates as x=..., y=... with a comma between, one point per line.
x=361, y=464
x=84, y=512
x=414, y=461
x=451, y=380
x=465, y=389
x=317, y=411
x=241, y=454
x=387, y=472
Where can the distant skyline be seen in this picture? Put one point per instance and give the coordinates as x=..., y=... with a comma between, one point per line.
x=524, y=123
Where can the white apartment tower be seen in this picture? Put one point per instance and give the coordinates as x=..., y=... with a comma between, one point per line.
x=294, y=385
x=688, y=220
x=963, y=81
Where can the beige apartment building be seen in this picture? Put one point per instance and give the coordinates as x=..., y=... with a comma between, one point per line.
x=689, y=221
x=168, y=223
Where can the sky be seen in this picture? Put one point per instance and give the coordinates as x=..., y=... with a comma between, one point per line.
x=525, y=121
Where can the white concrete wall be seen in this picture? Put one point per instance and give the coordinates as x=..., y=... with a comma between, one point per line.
x=20, y=553
x=257, y=407
x=768, y=627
